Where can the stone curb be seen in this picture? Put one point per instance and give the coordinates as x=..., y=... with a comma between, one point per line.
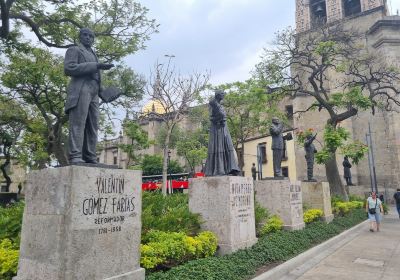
x=316, y=254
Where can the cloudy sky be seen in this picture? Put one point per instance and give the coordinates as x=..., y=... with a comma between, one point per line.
x=225, y=37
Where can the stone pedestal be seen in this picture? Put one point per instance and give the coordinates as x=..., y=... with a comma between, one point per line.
x=226, y=204
x=282, y=198
x=81, y=223
x=317, y=195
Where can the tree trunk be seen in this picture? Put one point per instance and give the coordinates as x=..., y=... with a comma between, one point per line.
x=241, y=158
x=3, y=168
x=335, y=183
x=59, y=153
x=165, y=162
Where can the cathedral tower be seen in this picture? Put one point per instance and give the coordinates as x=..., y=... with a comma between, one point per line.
x=309, y=12
x=382, y=37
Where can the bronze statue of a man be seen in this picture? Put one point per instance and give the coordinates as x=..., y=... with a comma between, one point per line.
x=82, y=105
x=221, y=159
x=310, y=151
x=277, y=145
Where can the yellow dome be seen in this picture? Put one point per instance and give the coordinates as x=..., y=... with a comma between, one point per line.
x=153, y=106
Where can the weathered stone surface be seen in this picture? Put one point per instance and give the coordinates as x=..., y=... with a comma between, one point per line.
x=226, y=204
x=81, y=223
x=283, y=198
x=317, y=195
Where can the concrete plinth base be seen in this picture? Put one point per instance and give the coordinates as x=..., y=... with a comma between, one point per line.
x=226, y=204
x=81, y=223
x=317, y=195
x=282, y=198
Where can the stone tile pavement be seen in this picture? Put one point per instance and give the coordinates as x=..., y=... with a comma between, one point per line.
x=367, y=256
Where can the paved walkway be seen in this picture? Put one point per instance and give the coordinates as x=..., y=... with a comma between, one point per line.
x=366, y=255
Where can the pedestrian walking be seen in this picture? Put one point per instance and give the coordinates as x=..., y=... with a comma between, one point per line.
x=374, y=209
x=397, y=199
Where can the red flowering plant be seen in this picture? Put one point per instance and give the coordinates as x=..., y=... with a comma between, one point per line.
x=301, y=135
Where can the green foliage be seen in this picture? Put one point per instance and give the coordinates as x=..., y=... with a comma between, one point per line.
x=385, y=208
x=121, y=27
x=168, y=213
x=172, y=248
x=342, y=208
x=354, y=96
x=152, y=165
x=138, y=139
x=261, y=216
x=8, y=259
x=273, y=224
x=11, y=222
x=249, y=110
x=193, y=147
x=355, y=151
x=353, y=197
x=278, y=246
x=312, y=215
x=174, y=137
x=301, y=135
x=335, y=138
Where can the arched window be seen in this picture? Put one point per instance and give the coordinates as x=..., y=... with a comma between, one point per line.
x=318, y=11
x=351, y=7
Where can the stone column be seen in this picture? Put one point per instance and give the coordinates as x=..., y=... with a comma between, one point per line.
x=81, y=223
x=317, y=195
x=282, y=198
x=226, y=204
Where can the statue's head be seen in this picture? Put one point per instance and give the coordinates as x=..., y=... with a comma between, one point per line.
x=346, y=158
x=86, y=37
x=219, y=94
x=275, y=120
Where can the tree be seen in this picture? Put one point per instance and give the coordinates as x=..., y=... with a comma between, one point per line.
x=304, y=64
x=121, y=26
x=176, y=93
x=153, y=165
x=249, y=111
x=35, y=81
x=138, y=139
x=10, y=130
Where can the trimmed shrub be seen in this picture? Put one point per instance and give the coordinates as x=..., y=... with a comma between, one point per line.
x=261, y=216
x=11, y=222
x=170, y=249
x=168, y=213
x=343, y=208
x=312, y=215
x=8, y=259
x=277, y=246
x=273, y=224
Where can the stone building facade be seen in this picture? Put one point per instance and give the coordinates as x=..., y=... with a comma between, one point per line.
x=381, y=36
x=150, y=121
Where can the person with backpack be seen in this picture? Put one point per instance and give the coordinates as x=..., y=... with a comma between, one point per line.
x=397, y=199
x=374, y=209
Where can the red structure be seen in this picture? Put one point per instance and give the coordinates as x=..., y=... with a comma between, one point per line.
x=179, y=181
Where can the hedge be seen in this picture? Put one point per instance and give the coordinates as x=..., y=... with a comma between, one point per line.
x=278, y=246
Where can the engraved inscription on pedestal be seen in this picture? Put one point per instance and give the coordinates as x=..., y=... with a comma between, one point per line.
x=81, y=223
x=226, y=204
x=283, y=198
x=296, y=201
x=108, y=208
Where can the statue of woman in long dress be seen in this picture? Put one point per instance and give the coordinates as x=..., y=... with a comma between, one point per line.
x=221, y=159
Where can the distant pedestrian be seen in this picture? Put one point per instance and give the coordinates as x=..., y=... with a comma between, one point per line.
x=397, y=199
x=374, y=209
x=347, y=171
x=254, y=171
